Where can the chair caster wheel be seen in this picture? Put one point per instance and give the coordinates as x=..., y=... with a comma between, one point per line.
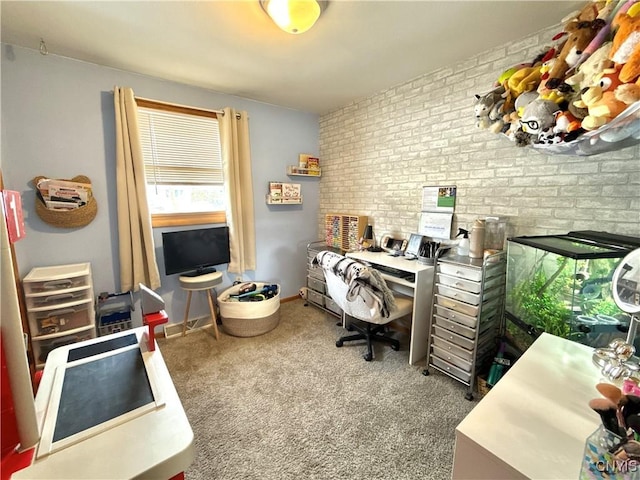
x=468, y=396
x=368, y=357
x=339, y=343
x=395, y=347
x=425, y=372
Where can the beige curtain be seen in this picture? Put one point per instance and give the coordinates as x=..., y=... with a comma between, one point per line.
x=236, y=158
x=137, y=252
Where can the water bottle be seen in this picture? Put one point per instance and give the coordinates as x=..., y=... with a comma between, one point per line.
x=476, y=245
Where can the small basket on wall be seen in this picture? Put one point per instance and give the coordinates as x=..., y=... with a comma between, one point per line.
x=73, y=218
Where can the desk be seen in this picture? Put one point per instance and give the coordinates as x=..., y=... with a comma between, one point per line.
x=535, y=421
x=156, y=443
x=420, y=290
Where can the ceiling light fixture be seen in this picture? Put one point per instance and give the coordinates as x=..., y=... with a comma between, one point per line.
x=294, y=16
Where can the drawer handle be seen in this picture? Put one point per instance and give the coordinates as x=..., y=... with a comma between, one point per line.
x=62, y=296
x=66, y=283
x=65, y=311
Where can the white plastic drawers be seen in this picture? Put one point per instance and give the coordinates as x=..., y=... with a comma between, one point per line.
x=60, y=309
x=316, y=286
x=466, y=314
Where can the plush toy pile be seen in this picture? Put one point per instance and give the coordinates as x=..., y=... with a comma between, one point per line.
x=587, y=80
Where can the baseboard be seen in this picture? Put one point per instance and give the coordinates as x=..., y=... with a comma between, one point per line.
x=175, y=329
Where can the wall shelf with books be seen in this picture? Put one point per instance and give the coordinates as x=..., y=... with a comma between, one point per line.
x=282, y=193
x=293, y=170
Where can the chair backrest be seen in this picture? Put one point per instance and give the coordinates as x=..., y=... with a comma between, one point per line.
x=358, y=290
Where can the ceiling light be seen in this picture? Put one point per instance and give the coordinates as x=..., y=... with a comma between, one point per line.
x=294, y=16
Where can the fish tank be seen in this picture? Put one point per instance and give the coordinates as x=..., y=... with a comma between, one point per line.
x=561, y=284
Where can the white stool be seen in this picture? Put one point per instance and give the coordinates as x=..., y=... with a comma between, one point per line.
x=204, y=283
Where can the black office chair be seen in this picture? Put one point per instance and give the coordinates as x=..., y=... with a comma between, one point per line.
x=362, y=294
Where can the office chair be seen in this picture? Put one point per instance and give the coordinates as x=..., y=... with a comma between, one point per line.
x=362, y=294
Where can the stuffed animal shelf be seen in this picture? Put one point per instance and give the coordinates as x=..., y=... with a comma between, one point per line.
x=581, y=94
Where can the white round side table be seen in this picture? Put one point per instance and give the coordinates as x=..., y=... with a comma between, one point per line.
x=205, y=283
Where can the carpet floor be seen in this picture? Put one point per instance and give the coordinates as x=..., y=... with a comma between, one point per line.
x=289, y=404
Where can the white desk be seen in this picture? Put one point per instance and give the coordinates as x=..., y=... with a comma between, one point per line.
x=420, y=290
x=156, y=444
x=535, y=421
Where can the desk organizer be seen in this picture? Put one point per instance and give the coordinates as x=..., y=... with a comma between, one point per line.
x=599, y=464
x=248, y=319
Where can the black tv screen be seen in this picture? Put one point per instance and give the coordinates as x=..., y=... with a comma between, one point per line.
x=195, y=252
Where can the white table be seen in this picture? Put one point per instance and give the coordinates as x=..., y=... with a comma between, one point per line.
x=420, y=289
x=155, y=443
x=535, y=421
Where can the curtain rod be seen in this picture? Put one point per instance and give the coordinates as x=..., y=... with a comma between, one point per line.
x=218, y=112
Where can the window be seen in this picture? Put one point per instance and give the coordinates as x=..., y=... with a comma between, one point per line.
x=183, y=164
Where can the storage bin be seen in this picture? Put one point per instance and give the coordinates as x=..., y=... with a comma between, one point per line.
x=249, y=319
x=599, y=463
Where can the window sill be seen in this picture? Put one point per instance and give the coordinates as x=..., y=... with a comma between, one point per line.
x=183, y=219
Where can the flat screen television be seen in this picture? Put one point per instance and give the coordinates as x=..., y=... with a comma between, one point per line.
x=195, y=252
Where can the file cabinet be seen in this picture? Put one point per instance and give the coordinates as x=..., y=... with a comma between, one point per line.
x=468, y=303
x=316, y=286
x=60, y=310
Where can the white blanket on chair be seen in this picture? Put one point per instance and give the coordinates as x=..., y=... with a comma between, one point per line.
x=362, y=281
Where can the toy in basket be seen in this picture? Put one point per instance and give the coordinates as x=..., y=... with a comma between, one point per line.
x=250, y=309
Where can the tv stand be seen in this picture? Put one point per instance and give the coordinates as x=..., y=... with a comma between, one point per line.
x=199, y=272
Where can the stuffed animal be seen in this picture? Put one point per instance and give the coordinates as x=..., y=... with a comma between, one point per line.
x=603, y=107
x=487, y=109
x=566, y=122
x=581, y=34
x=524, y=80
x=591, y=68
x=538, y=116
x=628, y=93
x=626, y=46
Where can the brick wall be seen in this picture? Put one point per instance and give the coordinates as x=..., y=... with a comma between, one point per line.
x=377, y=154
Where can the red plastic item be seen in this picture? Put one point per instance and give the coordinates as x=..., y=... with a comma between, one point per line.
x=12, y=460
x=153, y=320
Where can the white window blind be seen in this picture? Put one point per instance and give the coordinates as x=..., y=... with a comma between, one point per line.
x=180, y=149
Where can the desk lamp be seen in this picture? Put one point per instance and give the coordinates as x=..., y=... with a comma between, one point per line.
x=368, y=240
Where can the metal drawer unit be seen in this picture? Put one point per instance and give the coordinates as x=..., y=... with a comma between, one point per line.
x=316, y=287
x=60, y=307
x=468, y=303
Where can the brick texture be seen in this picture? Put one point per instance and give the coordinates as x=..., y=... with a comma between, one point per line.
x=377, y=154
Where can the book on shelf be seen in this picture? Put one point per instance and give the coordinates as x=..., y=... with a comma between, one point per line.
x=313, y=163
x=291, y=190
x=275, y=189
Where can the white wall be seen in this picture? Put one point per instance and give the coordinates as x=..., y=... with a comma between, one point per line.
x=58, y=121
x=379, y=152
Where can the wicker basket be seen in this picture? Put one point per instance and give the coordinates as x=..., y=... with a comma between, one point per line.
x=248, y=319
x=483, y=387
x=78, y=217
